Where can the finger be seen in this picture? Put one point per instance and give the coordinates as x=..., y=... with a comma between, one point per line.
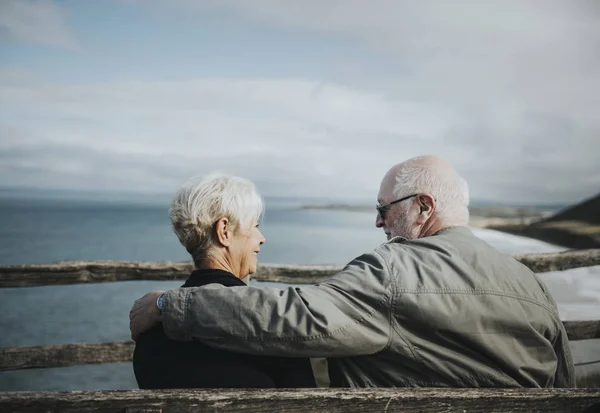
x=135, y=312
x=134, y=321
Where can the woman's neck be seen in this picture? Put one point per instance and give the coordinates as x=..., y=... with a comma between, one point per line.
x=217, y=263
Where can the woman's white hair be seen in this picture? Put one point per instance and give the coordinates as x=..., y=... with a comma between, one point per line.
x=436, y=177
x=198, y=204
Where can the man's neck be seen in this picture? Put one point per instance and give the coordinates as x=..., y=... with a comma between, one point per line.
x=431, y=227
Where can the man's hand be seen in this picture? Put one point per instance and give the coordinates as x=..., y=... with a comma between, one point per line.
x=144, y=314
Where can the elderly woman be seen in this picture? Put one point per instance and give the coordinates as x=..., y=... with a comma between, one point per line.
x=216, y=220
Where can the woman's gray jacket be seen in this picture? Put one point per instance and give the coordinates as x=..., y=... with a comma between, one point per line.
x=445, y=310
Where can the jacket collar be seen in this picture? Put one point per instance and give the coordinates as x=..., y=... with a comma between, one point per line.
x=457, y=229
x=202, y=277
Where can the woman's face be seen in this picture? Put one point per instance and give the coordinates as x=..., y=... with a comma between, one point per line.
x=244, y=249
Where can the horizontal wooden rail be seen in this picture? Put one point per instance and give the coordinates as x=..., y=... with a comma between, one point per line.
x=305, y=400
x=75, y=272
x=582, y=330
x=560, y=261
x=61, y=355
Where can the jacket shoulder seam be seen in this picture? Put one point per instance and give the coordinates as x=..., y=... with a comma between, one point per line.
x=389, y=290
x=476, y=292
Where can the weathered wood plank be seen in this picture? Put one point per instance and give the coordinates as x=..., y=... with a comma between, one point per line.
x=320, y=400
x=582, y=330
x=61, y=355
x=295, y=274
x=561, y=261
x=75, y=272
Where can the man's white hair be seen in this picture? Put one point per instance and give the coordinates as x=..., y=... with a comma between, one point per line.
x=434, y=176
x=200, y=203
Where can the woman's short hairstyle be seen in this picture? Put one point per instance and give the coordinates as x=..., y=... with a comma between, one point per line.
x=200, y=203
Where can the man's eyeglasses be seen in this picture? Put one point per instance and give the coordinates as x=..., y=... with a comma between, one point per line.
x=383, y=209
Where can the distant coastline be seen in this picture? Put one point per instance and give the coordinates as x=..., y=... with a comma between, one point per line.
x=575, y=227
x=481, y=216
x=340, y=207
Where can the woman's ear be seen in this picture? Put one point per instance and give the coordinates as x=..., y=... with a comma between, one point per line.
x=223, y=231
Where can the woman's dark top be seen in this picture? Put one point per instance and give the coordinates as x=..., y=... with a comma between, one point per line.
x=162, y=363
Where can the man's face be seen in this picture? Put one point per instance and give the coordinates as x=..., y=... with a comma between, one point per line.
x=395, y=220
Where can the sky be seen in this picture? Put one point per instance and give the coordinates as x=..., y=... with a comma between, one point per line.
x=306, y=98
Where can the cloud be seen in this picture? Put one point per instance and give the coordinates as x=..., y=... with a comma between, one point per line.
x=521, y=79
x=506, y=91
x=293, y=135
x=35, y=22
x=466, y=52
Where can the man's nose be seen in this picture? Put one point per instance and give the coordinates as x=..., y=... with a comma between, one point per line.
x=378, y=221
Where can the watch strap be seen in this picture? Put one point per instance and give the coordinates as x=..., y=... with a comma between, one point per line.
x=160, y=302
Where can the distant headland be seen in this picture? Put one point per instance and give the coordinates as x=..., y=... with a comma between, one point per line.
x=575, y=227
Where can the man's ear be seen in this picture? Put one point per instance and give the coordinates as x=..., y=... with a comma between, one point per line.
x=426, y=207
x=223, y=232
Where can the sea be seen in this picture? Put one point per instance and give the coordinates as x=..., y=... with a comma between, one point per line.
x=41, y=231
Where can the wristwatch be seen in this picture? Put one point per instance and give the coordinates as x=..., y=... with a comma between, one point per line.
x=160, y=302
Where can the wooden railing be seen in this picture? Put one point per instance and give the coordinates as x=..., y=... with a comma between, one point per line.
x=62, y=355
x=308, y=400
x=426, y=400
x=76, y=272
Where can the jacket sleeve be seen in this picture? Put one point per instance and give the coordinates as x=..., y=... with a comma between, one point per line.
x=564, y=376
x=346, y=315
x=565, y=371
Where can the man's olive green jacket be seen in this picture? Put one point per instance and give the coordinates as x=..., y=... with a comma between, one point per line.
x=445, y=310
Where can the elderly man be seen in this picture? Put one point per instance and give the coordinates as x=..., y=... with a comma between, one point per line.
x=433, y=306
